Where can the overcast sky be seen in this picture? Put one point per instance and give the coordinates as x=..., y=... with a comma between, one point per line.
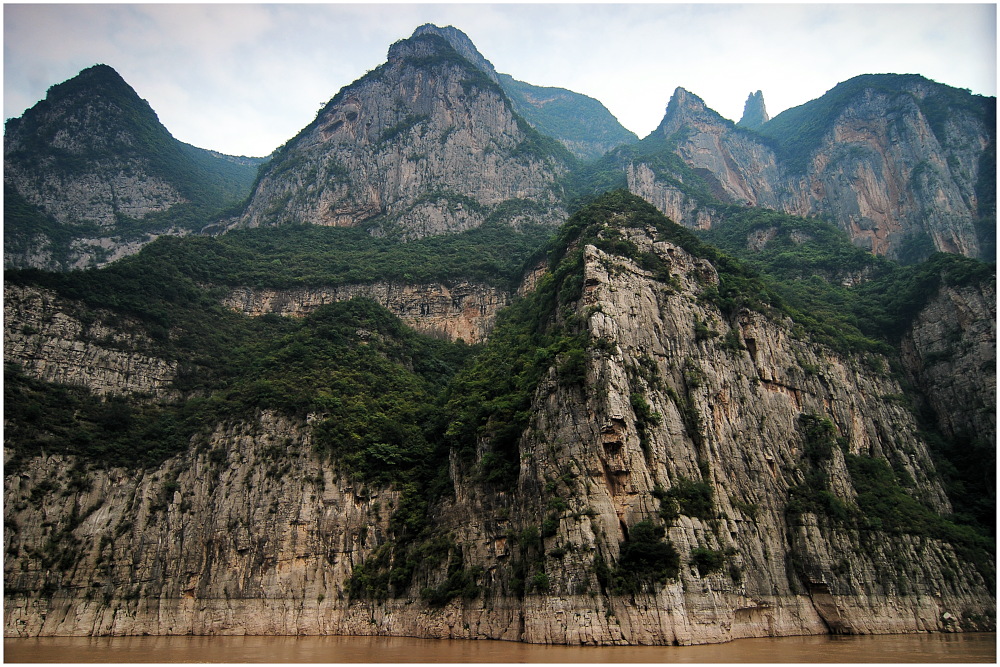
x=244, y=78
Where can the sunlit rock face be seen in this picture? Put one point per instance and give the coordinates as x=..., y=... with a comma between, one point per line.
x=462, y=311
x=250, y=531
x=898, y=173
x=425, y=144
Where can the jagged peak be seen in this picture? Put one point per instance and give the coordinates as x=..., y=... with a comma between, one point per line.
x=754, y=111
x=684, y=106
x=462, y=44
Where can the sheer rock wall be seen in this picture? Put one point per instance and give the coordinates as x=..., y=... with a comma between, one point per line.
x=249, y=532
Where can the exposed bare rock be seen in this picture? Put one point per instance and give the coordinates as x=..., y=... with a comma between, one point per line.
x=250, y=532
x=91, y=175
x=426, y=144
x=754, y=111
x=889, y=171
x=463, y=311
x=950, y=351
x=49, y=339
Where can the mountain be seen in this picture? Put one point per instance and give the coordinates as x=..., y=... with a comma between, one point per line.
x=425, y=144
x=904, y=165
x=90, y=175
x=651, y=448
x=580, y=123
x=754, y=112
x=438, y=377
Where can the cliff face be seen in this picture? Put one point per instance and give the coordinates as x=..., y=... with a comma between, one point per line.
x=463, y=311
x=891, y=168
x=580, y=123
x=51, y=341
x=722, y=442
x=426, y=144
x=950, y=353
x=87, y=167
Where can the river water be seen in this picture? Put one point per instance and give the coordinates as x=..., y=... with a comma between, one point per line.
x=919, y=648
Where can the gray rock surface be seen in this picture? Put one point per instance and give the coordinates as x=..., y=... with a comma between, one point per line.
x=249, y=532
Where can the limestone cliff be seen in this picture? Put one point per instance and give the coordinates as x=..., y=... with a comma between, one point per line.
x=90, y=175
x=582, y=124
x=950, y=352
x=51, y=340
x=425, y=144
x=463, y=311
x=896, y=161
x=696, y=473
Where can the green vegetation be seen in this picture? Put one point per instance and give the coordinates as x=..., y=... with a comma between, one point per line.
x=884, y=502
x=312, y=256
x=645, y=560
x=126, y=138
x=885, y=505
x=685, y=497
x=707, y=560
x=806, y=263
x=797, y=132
x=565, y=115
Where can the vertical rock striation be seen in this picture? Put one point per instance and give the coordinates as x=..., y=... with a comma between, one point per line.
x=896, y=161
x=714, y=436
x=425, y=144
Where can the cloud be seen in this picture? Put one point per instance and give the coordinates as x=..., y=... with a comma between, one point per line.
x=246, y=78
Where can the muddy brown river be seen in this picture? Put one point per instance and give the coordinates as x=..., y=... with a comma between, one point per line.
x=921, y=648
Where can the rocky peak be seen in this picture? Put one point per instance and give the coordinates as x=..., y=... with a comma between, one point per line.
x=462, y=44
x=424, y=145
x=94, y=112
x=897, y=161
x=93, y=154
x=754, y=111
x=686, y=108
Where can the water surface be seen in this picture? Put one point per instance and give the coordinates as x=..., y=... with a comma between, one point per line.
x=921, y=648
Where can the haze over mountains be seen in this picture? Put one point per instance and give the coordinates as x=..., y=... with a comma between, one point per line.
x=465, y=358
x=829, y=158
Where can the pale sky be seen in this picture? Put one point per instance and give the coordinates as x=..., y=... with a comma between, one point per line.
x=244, y=78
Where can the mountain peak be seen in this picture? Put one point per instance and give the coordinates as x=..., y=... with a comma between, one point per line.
x=754, y=111
x=462, y=44
x=683, y=107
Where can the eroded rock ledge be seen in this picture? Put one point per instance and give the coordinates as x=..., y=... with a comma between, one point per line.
x=456, y=311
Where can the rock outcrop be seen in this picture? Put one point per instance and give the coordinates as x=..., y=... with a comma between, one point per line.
x=580, y=123
x=896, y=161
x=463, y=311
x=745, y=445
x=754, y=111
x=950, y=353
x=425, y=144
x=51, y=341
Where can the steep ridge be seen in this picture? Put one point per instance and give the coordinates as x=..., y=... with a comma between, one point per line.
x=648, y=451
x=91, y=175
x=425, y=144
x=582, y=124
x=899, y=162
